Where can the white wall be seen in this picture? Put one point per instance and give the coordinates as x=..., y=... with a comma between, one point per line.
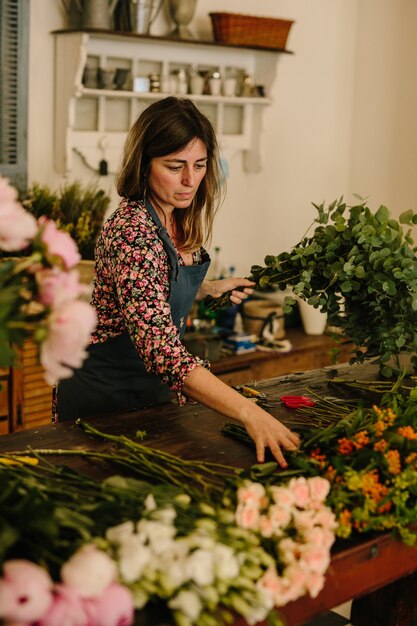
x=342, y=118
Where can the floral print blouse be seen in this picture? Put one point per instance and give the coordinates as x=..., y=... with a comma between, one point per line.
x=131, y=291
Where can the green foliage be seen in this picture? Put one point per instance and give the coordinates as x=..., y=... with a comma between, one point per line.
x=360, y=268
x=79, y=210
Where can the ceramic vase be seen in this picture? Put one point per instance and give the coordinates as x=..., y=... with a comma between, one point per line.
x=182, y=12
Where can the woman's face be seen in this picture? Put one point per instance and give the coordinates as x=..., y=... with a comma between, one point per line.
x=173, y=179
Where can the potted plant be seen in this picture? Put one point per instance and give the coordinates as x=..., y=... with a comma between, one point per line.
x=78, y=210
x=360, y=268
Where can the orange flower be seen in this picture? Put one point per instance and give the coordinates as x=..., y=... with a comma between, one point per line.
x=407, y=431
x=345, y=517
x=386, y=418
x=319, y=457
x=380, y=446
x=361, y=439
x=394, y=461
x=330, y=473
x=375, y=491
x=345, y=446
x=411, y=459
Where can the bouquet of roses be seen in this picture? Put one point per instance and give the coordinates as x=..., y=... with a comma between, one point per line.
x=40, y=293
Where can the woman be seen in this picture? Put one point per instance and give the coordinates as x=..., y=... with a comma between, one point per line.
x=150, y=267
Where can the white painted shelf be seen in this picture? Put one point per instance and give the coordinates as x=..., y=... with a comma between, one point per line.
x=94, y=122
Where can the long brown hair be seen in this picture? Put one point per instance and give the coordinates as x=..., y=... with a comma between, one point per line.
x=163, y=128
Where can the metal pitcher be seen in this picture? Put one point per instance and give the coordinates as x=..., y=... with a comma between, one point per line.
x=98, y=13
x=143, y=13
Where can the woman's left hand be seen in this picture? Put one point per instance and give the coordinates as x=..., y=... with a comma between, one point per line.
x=240, y=288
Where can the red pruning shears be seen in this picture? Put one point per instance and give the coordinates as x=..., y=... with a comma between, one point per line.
x=296, y=402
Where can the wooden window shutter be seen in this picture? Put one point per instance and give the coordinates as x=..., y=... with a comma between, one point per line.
x=14, y=52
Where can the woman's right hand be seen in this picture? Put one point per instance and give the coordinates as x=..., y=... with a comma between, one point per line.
x=268, y=432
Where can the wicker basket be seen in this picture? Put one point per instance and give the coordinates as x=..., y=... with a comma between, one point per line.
x=250, y=30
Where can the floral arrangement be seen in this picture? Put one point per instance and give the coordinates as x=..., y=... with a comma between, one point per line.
x=249, y=553
x=40, y=293
x=222, y=543
x=368, y=453
x=360, y=268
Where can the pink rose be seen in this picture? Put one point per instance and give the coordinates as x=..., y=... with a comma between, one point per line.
x=295, y=577
x=17, y=226
x=282, y=496
x=304, y=520
x=314, y=584
x=89, y=571
x=57, y=287
x=58, y=243
x=273, y=585
x=114, y=607
x=326, y=518
x=69, y=332
x=300, y=491
x=25, y=591
x=66, y=609
x=319, y=488
x=251, y=492
x=316, y=558
x=247, y=516
x=279, y=517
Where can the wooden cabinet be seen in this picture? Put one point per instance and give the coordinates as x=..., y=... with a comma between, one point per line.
x=4, y=401
x=25, y=397
x=308, y=352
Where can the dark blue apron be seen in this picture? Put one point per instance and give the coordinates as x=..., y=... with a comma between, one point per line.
x=113, y=378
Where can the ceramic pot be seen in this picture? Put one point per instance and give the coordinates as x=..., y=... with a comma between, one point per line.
x=314, y=321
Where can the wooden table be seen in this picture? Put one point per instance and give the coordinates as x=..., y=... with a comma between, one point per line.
x=379, y=572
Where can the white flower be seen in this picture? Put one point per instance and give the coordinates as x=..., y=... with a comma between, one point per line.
x=150, y=504
x=200, y=567
x=89, y=571
x=226, y=565
x=166, y=515
x=188, y=603
x=158, y=534
x=120, y=533
x=133, y=556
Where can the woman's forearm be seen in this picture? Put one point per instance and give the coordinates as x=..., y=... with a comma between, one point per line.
x=265, y=430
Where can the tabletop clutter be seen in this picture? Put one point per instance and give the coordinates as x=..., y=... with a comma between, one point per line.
x=258, y=324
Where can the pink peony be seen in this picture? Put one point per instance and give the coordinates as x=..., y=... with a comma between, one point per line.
x=58, y=243
x=70, y=328
x=89, y=571
x=17, y=226
x=57, y=287
x=66, y=609
x=114, y=607
x=25, y=591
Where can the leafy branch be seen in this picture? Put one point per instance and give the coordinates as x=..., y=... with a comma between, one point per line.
x=360, y=268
